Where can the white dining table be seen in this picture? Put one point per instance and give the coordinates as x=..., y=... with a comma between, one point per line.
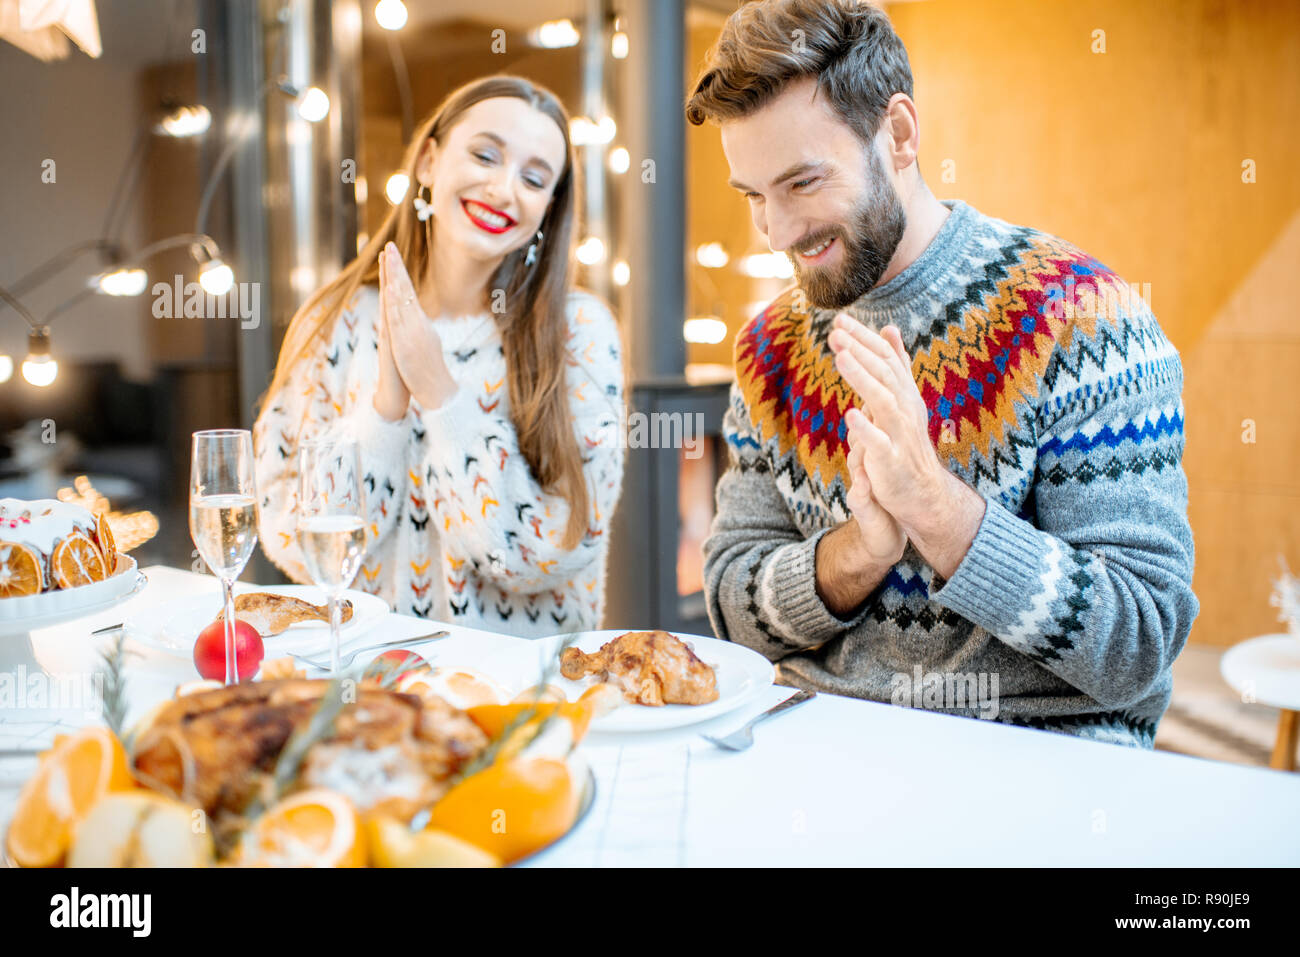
x=835, y=781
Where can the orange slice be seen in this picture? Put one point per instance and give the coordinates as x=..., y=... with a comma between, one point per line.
x=20, y=571
x=315, y=828
x=510, y=808
x=393, y=844
x=459, y=687
x=107, y=544
x=77, y=561
x=495, y=718
x=70, y=778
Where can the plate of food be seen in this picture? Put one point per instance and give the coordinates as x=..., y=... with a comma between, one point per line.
x=667, y=680
x=58, y=562
x=288, y=618
x=282, y=778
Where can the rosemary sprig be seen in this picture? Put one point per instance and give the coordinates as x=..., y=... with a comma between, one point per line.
x=489, y=754
x=113, y=701
x=319, y=727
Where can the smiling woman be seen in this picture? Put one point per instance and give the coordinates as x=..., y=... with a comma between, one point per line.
x=463, y=290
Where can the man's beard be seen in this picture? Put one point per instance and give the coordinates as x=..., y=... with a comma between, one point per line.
x=875, y=228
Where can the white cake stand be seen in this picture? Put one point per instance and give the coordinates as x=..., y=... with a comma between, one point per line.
x=19, y=617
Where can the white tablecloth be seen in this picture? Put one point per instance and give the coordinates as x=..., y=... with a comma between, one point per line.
x=835, y=781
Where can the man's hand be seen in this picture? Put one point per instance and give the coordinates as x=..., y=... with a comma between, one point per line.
x=934, y=508
x=882, y=537
x=854, y=558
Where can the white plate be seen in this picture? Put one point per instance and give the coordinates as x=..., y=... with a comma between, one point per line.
x=740, y=671
x=19, y=615
x=173, y=627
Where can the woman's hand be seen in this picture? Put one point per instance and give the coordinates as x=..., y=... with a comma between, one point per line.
x=391, y=395
x=414, y=348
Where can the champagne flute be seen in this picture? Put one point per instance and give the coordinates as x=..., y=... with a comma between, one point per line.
x=331, y=523
x=223, y=514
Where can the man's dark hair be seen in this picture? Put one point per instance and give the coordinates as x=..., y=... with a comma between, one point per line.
x=850, y=48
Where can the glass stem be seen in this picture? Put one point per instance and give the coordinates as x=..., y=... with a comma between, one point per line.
x=232, y=669
x=336, y=623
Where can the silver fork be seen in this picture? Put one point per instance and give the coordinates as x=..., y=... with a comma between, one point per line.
x=742, y=739
x=345, y=661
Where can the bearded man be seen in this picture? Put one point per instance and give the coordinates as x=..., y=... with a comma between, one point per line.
x=956, y=443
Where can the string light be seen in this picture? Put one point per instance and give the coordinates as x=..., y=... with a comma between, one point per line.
x=39, y=368
x=396, y=187
x=313, y=104
x=123, y=282
x=390, y=14
x=767, y=266
x=712, y=255
x=705, y=330
x=619, y=160
x=554, y=34
x=622, y=273
x=590, y=251
x=6, y=367
x=185, y=121
x=216, y=277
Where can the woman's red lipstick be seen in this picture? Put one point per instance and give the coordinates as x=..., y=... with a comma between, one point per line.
x=470, y=206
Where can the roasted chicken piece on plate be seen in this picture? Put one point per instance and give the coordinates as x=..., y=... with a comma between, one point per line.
x=650, y=667
x=271, y=614
x=388, y=751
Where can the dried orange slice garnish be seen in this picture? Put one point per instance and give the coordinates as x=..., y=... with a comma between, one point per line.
x=77, y=561
x=20, y=571
x=315, y=828
x=510, y=808
x=107, y=544
x=71, y=777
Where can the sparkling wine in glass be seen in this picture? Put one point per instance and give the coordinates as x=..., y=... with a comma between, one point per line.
x=331, y=524
x=223, y=514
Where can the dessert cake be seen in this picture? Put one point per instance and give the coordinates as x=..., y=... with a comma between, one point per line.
x=46, y=545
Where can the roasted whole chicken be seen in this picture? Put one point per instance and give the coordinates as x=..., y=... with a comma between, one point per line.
x=271, y=614
x=388, y=751
x=650, y=667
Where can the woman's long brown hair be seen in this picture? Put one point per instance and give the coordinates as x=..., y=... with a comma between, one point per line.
x=534, y=325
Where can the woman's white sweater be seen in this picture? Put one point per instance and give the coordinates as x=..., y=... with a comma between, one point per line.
x=459, y=529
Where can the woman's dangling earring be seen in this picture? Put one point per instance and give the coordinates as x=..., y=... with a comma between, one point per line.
x=531, y=257
x=423, y=207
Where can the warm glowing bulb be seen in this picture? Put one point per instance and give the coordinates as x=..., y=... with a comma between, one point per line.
x=6, y=367
x=554, y=34
x=618, y=45
x=708, y=330
x=123, y=282
x=767, y=266
x=622, y=273
x=590, y=251
x=185, y=121
x=396, y=187
x=40, y=371
x=313, y=105
x=712, y=255
x=216, y=278
x=619, y=159
x=390, y=14
x=583, y=132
